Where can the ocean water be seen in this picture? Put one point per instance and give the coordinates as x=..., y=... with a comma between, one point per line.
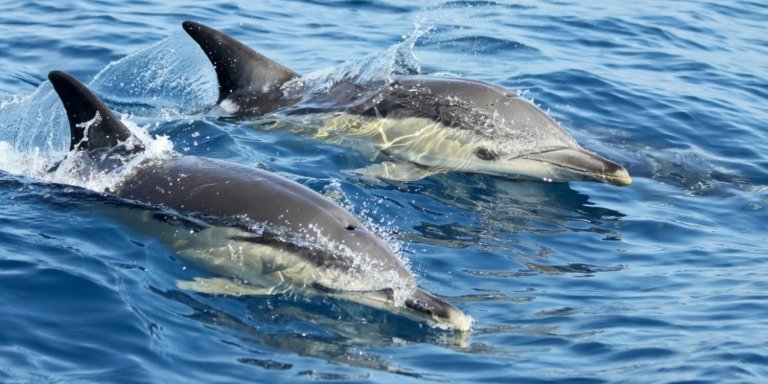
x=663, y=281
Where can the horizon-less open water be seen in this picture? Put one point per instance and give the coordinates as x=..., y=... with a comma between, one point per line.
x=662, y=281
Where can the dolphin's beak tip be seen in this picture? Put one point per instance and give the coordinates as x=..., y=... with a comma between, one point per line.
x=620, y=178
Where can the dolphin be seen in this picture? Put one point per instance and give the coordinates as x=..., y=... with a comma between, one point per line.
x=258, y=232
x=425, y=124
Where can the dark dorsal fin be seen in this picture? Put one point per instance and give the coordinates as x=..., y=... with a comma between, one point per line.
x=242, y=72
x=82, y=105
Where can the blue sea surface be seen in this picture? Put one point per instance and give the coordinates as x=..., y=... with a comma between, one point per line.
x=663, y=281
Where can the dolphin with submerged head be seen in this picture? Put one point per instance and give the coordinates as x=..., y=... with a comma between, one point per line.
x=425, y=124
x=259, y=232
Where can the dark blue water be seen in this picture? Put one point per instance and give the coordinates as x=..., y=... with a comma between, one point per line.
x=663, y=281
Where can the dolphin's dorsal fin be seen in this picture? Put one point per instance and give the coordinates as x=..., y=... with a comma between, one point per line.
x=241, y=71
x=87, y=114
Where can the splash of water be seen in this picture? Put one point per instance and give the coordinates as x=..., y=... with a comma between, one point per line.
x=33, y=122
x=153, y=81
x=399, y=59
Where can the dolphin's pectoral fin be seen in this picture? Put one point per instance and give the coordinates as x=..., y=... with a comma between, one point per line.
x=388, y=170
x=222, y=286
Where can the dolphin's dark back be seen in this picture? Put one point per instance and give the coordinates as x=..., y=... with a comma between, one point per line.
x=82, y=107
x=228, y=190
x=484, y=108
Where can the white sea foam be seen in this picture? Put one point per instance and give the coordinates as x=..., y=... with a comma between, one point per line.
x=77, y=169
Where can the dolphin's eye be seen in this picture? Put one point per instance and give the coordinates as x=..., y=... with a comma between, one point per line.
x=484, y=153
x=350, y=227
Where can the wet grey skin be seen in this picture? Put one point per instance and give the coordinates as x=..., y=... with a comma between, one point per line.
x=427, y=125
x=296, y=240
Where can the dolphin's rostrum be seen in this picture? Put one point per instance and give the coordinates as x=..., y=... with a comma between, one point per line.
x=424, y=124
x=259, y=232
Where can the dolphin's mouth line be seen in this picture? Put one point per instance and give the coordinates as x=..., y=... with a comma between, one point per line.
x=601, y=176
x=572, y=168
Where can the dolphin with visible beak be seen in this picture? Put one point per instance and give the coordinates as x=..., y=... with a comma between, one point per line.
x=259, y=232
x=424, y=124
